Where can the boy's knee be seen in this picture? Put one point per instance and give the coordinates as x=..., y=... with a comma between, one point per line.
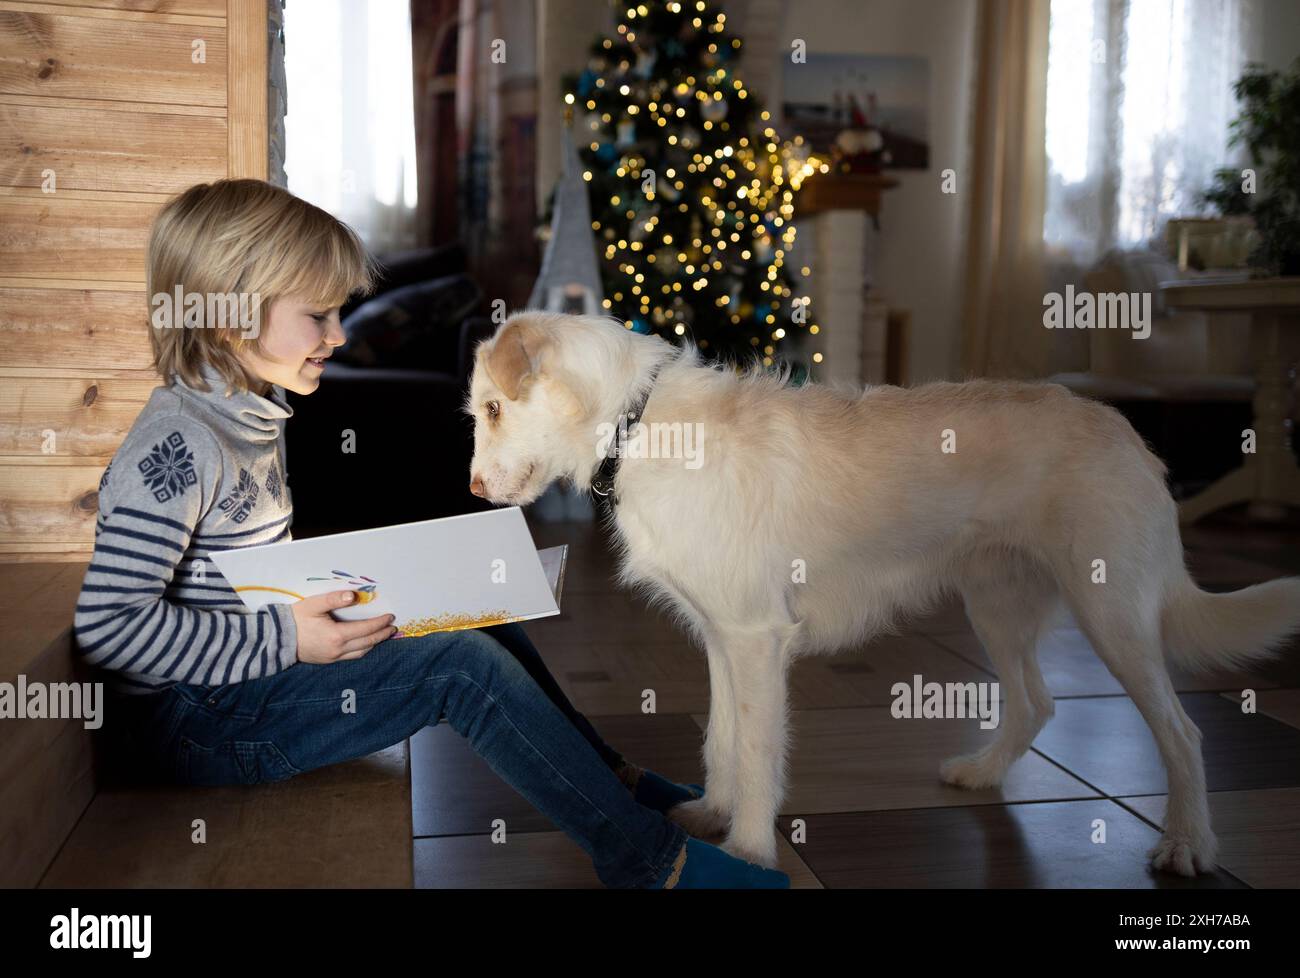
x=471, y=652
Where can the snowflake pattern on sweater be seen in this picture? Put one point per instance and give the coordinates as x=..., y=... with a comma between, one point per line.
x=274, y=485
x=239, y=502
x=168, y=469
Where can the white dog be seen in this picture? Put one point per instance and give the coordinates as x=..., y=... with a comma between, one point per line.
x=1009, y=494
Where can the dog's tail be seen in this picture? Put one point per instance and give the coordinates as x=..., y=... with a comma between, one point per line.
x=1203, y=631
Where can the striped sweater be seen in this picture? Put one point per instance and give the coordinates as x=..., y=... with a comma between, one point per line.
x=198, y=472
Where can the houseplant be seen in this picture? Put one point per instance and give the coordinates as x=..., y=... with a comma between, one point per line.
x=1269, y=190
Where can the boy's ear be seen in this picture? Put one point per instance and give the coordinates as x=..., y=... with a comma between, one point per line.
x=515, y=357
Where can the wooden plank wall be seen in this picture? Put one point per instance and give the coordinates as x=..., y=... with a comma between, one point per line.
x=105, y=113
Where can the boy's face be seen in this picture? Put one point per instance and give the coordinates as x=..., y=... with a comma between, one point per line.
x=297, y=338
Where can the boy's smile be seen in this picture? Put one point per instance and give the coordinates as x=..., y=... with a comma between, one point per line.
x=296, y=341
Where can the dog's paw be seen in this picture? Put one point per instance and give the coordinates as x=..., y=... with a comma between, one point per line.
x=764, y=855
x=1180, y=855
x=973, y=771
x=700, y=819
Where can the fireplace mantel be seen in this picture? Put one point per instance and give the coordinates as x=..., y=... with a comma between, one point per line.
x=823, y=192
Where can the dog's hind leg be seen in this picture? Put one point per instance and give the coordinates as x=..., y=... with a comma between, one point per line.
x=1127, y=638
x=1009, y=601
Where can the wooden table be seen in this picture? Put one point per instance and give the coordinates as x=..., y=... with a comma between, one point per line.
x=1268, y=479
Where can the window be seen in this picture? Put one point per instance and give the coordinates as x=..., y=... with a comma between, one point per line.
x=1139, y=98
x=349, y=121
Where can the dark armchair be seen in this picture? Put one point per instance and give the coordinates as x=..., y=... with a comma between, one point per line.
x=383, y=439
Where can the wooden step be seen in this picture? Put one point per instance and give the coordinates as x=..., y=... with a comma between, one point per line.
x=64, y=823
x=348, y=825
x=46, y=766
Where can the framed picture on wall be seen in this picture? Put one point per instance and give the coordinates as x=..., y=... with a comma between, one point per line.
x=873, y=110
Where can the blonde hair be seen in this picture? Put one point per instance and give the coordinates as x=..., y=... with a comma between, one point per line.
x=247, y=238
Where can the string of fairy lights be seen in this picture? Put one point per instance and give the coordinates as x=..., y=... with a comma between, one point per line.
x=692, y=190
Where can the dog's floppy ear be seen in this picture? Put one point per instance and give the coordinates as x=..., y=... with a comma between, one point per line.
x=516, y=355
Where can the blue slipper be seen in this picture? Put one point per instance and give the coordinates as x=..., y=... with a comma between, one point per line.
x=700, y=866
x=657, y=792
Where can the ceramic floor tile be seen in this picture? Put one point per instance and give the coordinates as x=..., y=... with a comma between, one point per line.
x=606, y=679
x=1280, y=704
x=1068, y=664
x=1042, y=845
x=1106, y=743
x=526, y=860
x=865, y=760
x=866, y=677
x=455, y=792
x=1258, y=831
x=601, y=617
x=538, y=861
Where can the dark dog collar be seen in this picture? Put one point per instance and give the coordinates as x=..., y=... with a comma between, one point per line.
x=602, y=483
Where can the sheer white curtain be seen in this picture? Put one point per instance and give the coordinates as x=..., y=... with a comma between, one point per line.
x=1139, y=97
x=350, y=124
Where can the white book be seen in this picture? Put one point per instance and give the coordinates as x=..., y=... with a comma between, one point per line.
x=441, y=575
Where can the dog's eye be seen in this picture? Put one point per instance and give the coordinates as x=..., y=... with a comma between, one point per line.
x=493, y=409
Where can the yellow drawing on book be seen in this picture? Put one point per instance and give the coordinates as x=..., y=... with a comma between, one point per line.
x=363, y=597
x=277, y=590
x=367, y=589
x=365, y=592
x=453, y=622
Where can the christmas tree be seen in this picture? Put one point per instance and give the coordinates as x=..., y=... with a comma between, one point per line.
x=692, y=192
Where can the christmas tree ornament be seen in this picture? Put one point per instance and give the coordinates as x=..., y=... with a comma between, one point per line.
x=714, y=110
x=645, y=63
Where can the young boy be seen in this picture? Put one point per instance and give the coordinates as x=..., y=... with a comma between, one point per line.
x=245, y=282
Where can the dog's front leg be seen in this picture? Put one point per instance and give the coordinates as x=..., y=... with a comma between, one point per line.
x=710, y=816
x=758, y=663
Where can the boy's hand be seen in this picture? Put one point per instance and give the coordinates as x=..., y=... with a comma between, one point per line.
x=322, y=640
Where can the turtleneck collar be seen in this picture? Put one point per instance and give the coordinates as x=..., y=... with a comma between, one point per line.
x=257, y=418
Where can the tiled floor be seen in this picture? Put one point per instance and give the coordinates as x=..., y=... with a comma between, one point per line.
x=865, y=807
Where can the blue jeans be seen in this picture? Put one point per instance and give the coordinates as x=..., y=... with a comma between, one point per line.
x=490, y=684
